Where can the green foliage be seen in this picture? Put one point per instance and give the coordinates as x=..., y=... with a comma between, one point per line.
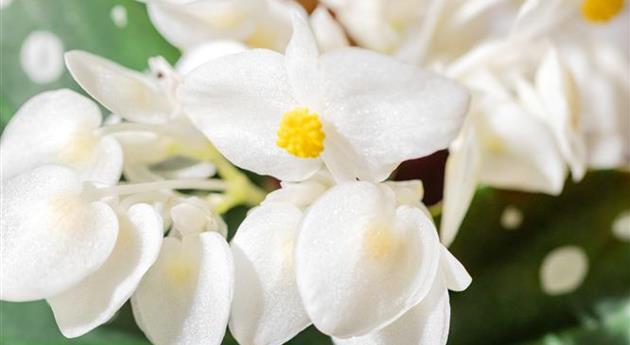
x=504, y=305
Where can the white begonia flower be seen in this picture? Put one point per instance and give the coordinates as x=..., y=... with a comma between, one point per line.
x=361, y=261
x=52, y=236
x=193, y=216
x=96, y=299
x=257, y=23
x=60, y=127
x=428, y=322
x=185, y=297
x=203, y=53
x=357, y=112
x=267, y=307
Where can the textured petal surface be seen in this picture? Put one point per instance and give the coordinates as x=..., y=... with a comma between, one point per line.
x=361, y=262
x=201, y=54
x=425, y=324
x=456, y=278
x=97, y=298
x=389, y=111
x=51, y=238
x=267, y=307
x=185, y=297
x=328, y=32
x=57, y=127
x=301, y=58
x=127, y=93
x=237, y=102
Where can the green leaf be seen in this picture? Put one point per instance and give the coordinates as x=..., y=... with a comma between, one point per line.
x=505, y=302
x=80, y=24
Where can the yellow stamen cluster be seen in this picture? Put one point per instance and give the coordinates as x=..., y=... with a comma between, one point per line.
x=380, y=242
x=301, y=133
x=600, y=11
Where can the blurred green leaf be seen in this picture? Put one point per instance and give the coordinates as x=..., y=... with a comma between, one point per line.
x=80, y=24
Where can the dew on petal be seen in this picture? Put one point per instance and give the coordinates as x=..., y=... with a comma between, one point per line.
x=563, y=270
x=621, y=226
x=119, y=16
x=511, y=218
x=41, y=57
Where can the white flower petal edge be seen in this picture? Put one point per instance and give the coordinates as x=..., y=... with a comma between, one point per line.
x=125, y=92
x=194, y=216
x=203, y=53
x=360, y=261
x=59, y=127
x=267, y=307
x=185, y=297
x=427, y=323
x=97, y=298
x=328, y=32
x=51, y=237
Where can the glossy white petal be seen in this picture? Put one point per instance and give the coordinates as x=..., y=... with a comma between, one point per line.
x=557, y=91
x=408, y=192
x=186, y=25
x=185, y=297
x=427, y=323
x=519, y=151
x=267, y=307
x=51, y=237
x=194, y=216
x=455, y=276
x=201, y=54
x=360, y=261
x=301, y=58
x=125, y=92
x=237, y=102
x=389, y=111
x=328, y=32
x=97, y=298
x=59, y=127
x=300, y=194
x=460, y=182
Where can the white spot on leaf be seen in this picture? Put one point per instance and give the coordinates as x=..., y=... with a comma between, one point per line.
x=621, y=226
x=511, y=218
x=41, y=57
x=119, y=16
x=563, y=270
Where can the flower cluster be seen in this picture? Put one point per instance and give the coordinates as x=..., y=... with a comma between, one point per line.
x=98, y=212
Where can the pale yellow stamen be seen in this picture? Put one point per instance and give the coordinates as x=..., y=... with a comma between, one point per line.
x=380, y=242
x=301, y=133
x=179, y=272
x=600, y=11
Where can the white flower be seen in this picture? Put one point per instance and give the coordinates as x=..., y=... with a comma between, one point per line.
x=357, y=112
x=60, y=127
x=185, y=297
x=257, y=23
x=97, y=298
x=52, y=236
x=327, y=31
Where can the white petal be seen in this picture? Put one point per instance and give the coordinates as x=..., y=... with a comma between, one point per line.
x=238, y=102
x=187, y=25
x=361, y=262
x=408, y=192
x=455, y=276
x=460, y=182
x=301, y=58
x=267, y=307
x=389, y=111
x=301, y=194
x=125, y=92
x=185, y=297
x=201, y=54
x=557, y=91
x=427, y=323
x=51, y=238
x=519, y=151
x=97, y=298
x=194, y=215
x=58, y=127
x=329, y=33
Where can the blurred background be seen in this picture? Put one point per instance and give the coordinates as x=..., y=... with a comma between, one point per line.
x=510, y=242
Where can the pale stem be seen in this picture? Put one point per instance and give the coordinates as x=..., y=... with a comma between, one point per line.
x=136, y=188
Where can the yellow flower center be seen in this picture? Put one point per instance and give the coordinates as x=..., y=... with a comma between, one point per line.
x=301, y=133
x=600, y=11
x=379, y=241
